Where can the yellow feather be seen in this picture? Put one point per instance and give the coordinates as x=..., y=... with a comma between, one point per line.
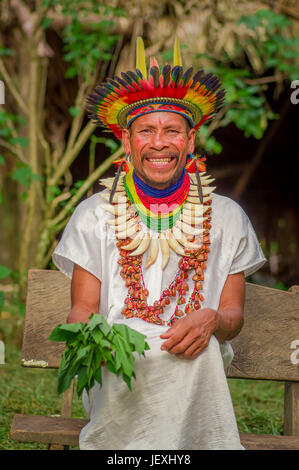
x=140, y=57
x=177, y=58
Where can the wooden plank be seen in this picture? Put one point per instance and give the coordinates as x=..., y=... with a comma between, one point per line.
x=65, y=431
x=46, y=429
x=263, y=348
x=269, y=442
x=48, y=304
x=291, y=409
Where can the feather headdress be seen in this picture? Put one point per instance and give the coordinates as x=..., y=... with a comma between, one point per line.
x=117, y=102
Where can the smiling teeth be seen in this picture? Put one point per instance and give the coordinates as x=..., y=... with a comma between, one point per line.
x=160, y=160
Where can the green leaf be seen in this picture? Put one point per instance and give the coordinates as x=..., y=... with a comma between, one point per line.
x=2, y=299
x=127, y=379
x=24, y=175
x=22, y=141
x=4, y=272
x=82, y=380
x=64, y=381
x=6, y=51
x=74, y=111
x=2, y=160
x=126, y=364
x=98, y=336
x=46, y=22
x=97, y=320
x=98, y=375
x=65, y=332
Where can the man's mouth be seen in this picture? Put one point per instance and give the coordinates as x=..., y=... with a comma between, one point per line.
x=160, y=160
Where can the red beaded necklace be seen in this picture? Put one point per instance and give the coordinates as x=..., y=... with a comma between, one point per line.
x=135, y=302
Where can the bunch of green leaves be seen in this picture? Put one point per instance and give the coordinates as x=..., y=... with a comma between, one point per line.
x=89, y=345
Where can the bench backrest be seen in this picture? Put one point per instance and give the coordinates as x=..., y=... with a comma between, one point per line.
x=263, y=349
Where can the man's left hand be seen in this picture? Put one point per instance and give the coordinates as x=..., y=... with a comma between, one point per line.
x=190, y=335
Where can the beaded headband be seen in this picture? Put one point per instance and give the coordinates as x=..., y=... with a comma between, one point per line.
x=117, y=102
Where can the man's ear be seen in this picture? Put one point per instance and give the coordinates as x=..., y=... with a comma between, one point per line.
x=126, y=141
x=191, y=137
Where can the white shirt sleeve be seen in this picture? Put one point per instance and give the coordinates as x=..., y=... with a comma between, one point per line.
x=248, y=256
x=81, y=240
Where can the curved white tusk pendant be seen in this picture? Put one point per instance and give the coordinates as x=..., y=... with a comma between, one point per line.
x=195, y=209
x=143, y=246
x=119, y=187
x=180, y=237
x=178, y=234
x=117, y=209
x=205, y=180
x=110, y=179
x=191, y=220
x=135, y=242
x=174, y=245
x=206, y=190
x=118, y=220
x=117, y=198
x=164, y=250
x=126, y=225
x=127, y=233
x=189, y=230
x=153, y=252
x=195, y=200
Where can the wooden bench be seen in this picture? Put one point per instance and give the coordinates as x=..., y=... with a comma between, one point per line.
x=267, y=348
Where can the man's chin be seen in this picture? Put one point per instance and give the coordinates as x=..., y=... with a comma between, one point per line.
x=158, y=181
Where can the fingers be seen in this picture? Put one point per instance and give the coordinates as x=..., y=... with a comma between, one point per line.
x=187, y=343
x=180, y=341
x=173, y=336
x=171, y=330
x=194, y=349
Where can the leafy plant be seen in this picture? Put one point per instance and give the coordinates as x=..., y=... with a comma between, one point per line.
x=275, y=49
x=247, y=106
x=36, y=149
x=89, y=345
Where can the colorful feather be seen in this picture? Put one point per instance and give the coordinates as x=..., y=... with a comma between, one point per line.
x=111, y=103
x=177, y=58
x=140, y=57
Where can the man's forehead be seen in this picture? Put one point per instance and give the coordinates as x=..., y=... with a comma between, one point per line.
x=160, y=119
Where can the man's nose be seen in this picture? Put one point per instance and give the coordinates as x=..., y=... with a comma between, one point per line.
x=158, y=141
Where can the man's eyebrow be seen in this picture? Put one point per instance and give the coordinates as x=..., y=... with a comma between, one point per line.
x=150, y=126
x=173, y=126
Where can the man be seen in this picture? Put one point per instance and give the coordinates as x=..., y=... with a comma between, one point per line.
x=171, y=263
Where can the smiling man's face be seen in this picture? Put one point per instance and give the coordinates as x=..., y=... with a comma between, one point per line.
x=159, y=143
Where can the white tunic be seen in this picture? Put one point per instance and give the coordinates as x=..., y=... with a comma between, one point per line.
x=175, y=403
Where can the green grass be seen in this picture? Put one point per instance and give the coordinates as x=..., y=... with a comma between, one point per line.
x=28, y=391
x=258, y=404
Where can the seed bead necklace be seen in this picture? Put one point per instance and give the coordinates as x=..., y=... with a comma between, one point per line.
x=193, y=260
